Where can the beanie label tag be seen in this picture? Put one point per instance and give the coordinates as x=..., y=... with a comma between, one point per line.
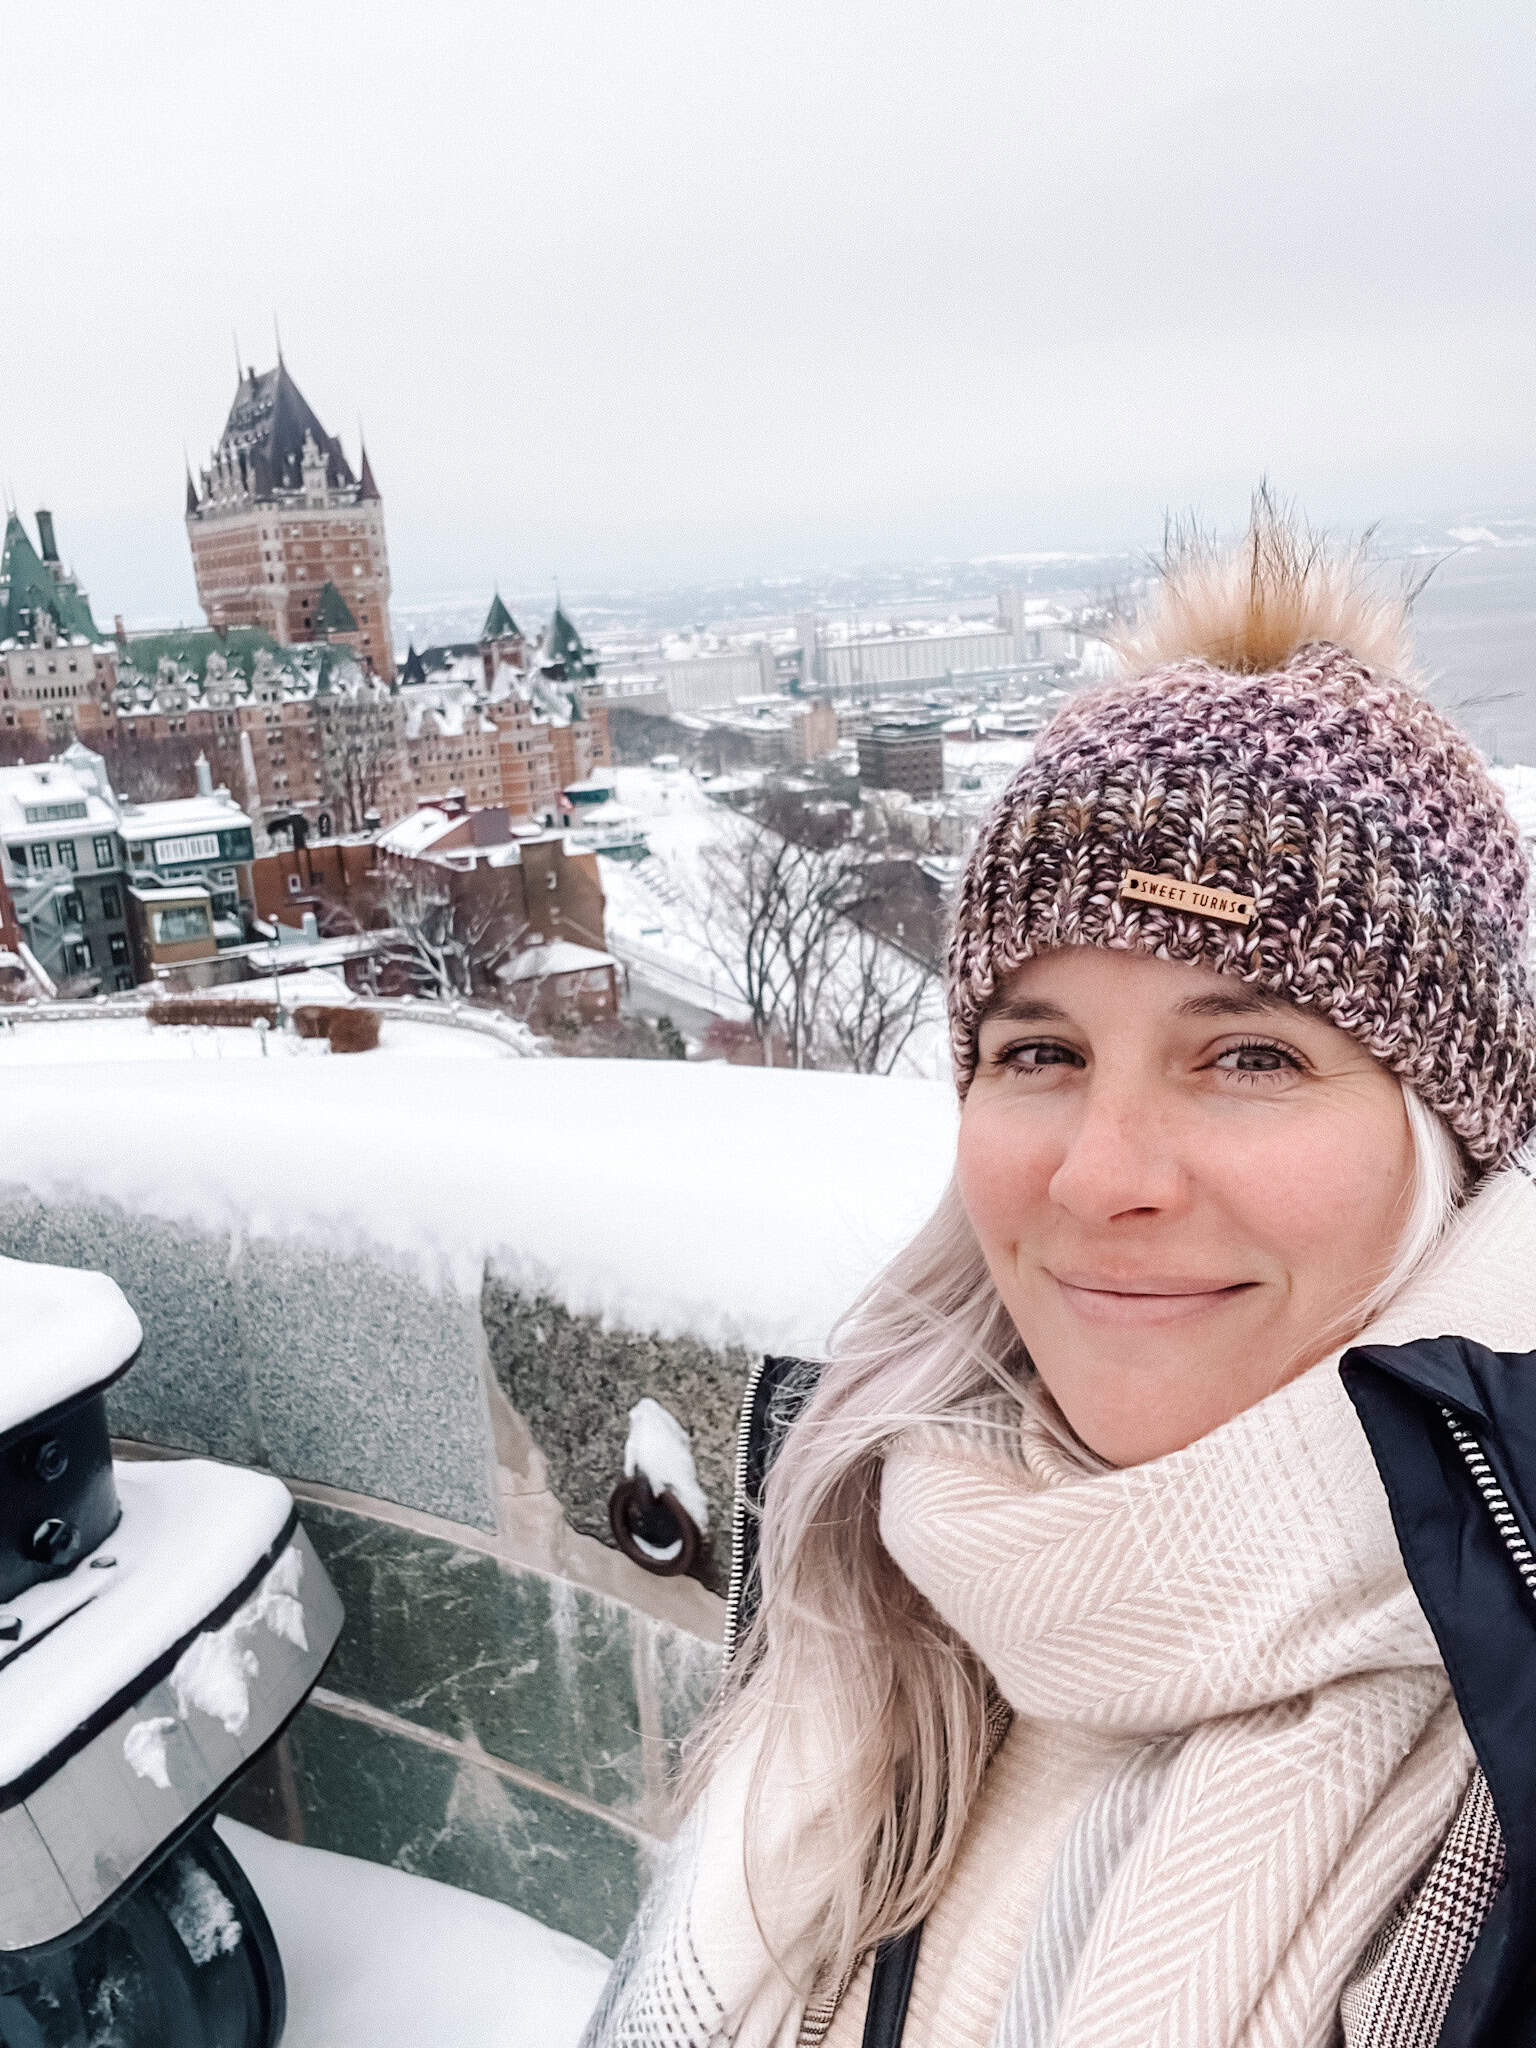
x=1195, y=897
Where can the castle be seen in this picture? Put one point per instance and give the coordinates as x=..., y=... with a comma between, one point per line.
x=284, y=536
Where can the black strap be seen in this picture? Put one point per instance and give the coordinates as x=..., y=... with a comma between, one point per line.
x=890, y=1988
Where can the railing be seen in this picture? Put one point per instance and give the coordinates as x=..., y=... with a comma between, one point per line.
x=409, y=1009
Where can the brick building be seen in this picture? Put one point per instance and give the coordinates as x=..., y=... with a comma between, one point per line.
x=903, y=753
x=15, y=976
x=58, y=673
x=279, y=516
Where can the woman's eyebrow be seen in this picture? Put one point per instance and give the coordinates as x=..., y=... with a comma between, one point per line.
x=1024, y=1010
x=1241, y=1002
x=1246, y=1002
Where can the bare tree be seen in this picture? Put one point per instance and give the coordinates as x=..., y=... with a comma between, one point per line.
x=359, y=744
x=768, y=911
x=148, y=769
x=449, y=933
x=883, y=995
x=790, y=921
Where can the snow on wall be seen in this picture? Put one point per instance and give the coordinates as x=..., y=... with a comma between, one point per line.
x=732, y=1204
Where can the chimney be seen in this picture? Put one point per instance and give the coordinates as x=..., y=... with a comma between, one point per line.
x=204, y=776
x=119, y=631
x=50, y=547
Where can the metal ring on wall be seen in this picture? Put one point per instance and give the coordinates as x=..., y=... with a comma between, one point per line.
x=654, y=1530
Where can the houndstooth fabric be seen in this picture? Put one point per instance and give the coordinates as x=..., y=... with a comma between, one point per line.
x=1401, y=1991
x=1388, y=876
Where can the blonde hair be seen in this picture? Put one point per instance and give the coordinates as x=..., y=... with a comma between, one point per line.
x=846, y=1645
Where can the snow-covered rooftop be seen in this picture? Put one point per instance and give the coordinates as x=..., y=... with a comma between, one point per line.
x=422, y=829
x=561, y=956
x=729, y=1203
x=180, y=816
x=46, y=789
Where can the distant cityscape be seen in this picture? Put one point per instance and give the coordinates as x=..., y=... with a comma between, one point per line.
x=463, y=799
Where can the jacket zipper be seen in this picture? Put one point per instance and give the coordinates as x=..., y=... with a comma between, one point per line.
x=1505, y=1520
x=736, y=1587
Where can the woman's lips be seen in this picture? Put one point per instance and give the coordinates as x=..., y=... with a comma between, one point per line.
x=1101, y=1304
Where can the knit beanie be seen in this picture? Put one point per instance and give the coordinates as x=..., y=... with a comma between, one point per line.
x=1269, y=800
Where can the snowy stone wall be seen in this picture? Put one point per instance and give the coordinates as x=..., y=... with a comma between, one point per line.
x=507, y=1695
x=430, y=1310
x=575, y=1382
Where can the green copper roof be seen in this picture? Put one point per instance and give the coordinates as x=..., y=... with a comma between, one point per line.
x=499, y=622
x=564, y=650
x=31, y=589
x=190, y=646
x=332, y=613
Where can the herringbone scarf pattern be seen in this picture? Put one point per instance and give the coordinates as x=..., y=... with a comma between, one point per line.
x=1242, y=1607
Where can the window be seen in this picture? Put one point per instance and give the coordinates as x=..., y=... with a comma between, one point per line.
x=105, y=852
x=180, y=922
x=123, y=982
x=42, y=856
x=117, y=945
x=19, y=855
x=111, y=902
x=69, y=855
x=74, y=909
x=293, y=885
x=77, y=957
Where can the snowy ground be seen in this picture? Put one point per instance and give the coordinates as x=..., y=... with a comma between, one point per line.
x=376, y=1958
x=91, y=1041
x=727, y=1203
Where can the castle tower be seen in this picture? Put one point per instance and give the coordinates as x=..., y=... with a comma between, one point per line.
x=279, y=516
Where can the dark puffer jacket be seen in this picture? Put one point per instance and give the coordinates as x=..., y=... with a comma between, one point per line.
x=1452, y=1427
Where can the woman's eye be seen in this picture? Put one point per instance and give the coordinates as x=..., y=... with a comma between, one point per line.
x=1030, y=1057
x=1256, y=1061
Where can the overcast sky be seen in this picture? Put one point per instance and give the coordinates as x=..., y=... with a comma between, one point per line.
x=624, y=289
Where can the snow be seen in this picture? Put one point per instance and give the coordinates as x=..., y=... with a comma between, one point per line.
x=1002, y=756
x=1519, y=786
x=728, y=1203
x=190, y=1532
x=303, y=985
x=61, y=1333
x=561, y=956
x=42, y=788
x=214, y=1672
x=413, y=835
x=179, y=817
x=93, y=1041
x=653, y=913
x=661, y=1450
x=144, y=1749
x=374, y=1955
x=205, y=1921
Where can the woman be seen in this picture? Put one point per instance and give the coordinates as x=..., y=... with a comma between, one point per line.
x=1096, y=1696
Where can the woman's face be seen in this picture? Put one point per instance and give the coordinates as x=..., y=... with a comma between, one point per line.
x=1180, y=1185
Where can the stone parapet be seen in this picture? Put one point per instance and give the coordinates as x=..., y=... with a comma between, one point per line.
x=507, y=1697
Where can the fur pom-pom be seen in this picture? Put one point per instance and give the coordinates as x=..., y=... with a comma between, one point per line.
x=1249, y=608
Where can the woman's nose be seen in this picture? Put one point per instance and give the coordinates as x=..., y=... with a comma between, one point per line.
x=1118, y=1158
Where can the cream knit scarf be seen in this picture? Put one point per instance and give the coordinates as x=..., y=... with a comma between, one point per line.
x=1242, y=1606
x=1246, y=1597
